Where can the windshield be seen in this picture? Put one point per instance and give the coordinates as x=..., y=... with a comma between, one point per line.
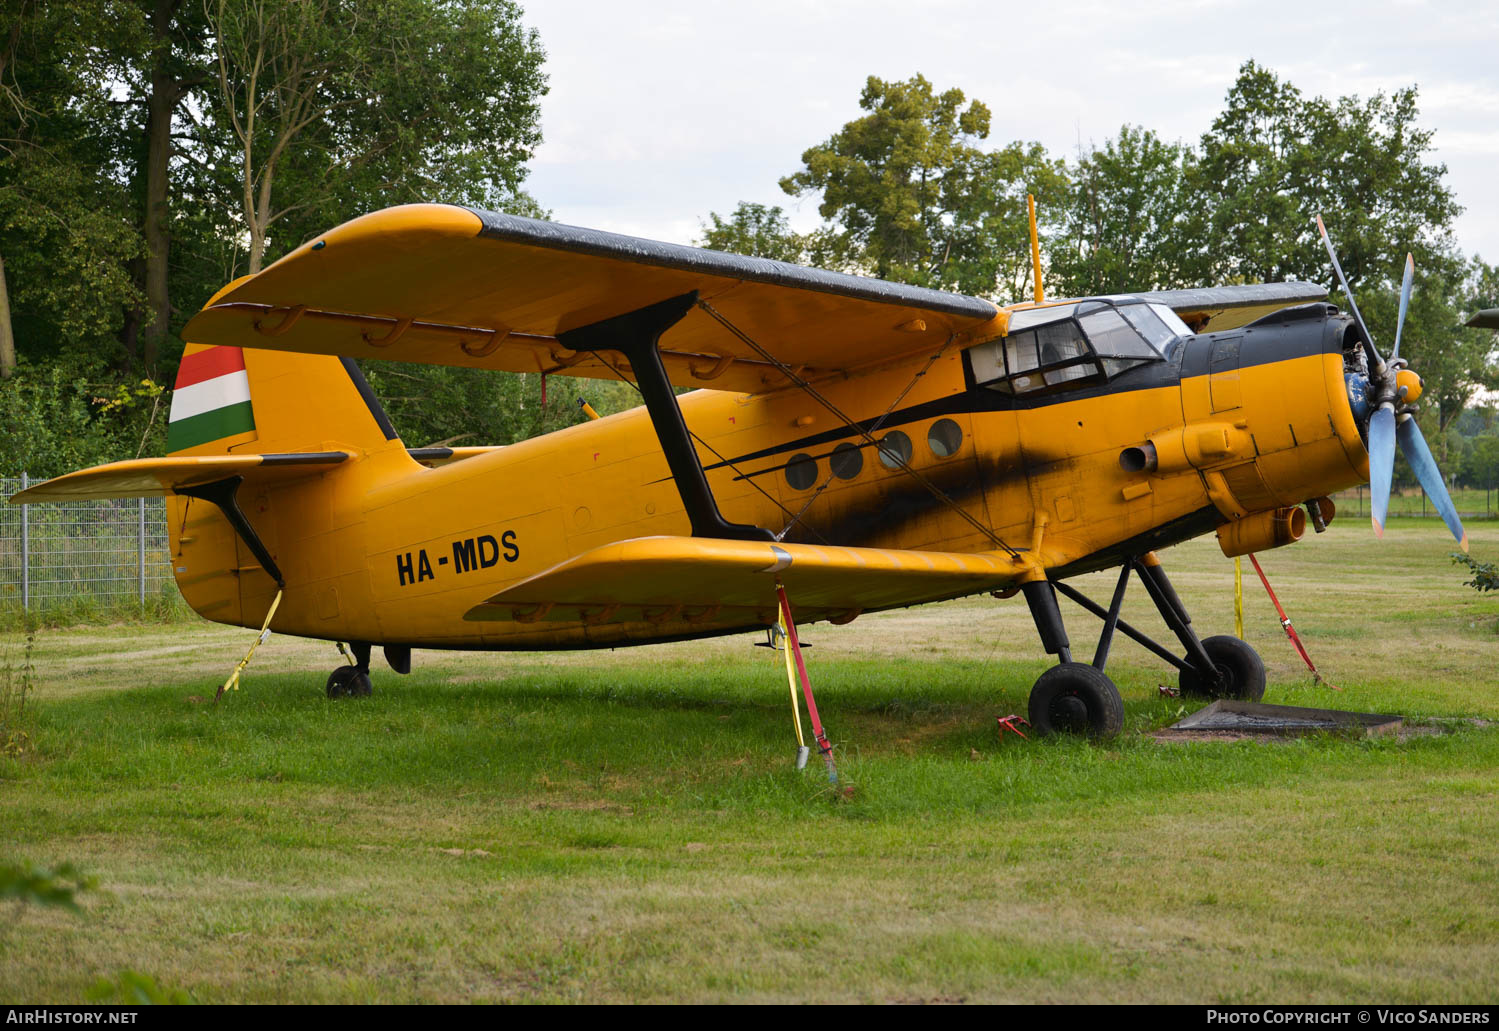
x=1047, y=349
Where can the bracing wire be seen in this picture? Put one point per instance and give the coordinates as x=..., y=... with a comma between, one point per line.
x=812, y=392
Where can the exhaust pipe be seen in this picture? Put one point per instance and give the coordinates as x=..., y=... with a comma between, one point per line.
x=1262, y=531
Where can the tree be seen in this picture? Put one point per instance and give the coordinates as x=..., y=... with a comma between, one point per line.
x=756, y=231
x=1274, y=159
x=65, y=233
x=325, y=109
x=910, y=196
x=1127, y=222
x=173, y=69
x=886, y=178
x=1454, y=362
x=990, y=251
x=440, y=404
x=1483, y=463
x=329, y=104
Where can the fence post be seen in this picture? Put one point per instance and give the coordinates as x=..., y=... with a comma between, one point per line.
x=141, y=553
x=25, y=548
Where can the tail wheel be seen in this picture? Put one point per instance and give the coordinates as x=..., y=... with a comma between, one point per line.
x=1076, y=698
x=1241, y=674
x=348, y=682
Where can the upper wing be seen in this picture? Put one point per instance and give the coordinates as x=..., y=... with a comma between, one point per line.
x=158, y=477
x=1211, y=308
x=452, y=286
x=655, y=578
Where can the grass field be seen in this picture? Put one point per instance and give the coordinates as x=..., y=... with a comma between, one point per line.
x=621, y=826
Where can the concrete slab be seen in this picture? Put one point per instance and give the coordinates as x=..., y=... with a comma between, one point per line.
x=1229, y=717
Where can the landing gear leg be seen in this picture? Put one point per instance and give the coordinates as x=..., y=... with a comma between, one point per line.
x=352, y=681
x=1218, y=667
x=1071, y=697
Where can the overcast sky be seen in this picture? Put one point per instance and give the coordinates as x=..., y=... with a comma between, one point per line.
x=661, y=111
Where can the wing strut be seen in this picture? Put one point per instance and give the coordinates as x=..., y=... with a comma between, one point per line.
x=223, y=494
x=634, y=335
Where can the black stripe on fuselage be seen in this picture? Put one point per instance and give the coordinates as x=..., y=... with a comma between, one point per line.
x=1283, y=336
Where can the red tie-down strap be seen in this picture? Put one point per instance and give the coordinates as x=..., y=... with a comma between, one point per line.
x=1285, y=621
x=801, y=669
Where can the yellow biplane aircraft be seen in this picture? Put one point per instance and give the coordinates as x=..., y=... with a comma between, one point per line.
x=863, y=445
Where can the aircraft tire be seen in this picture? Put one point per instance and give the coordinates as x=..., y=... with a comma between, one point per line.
x=1076, y=698
x=1243, y=672
x=349, y=682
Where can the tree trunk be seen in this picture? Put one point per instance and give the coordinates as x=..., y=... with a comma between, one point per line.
x=7, y=336
x=160, y=104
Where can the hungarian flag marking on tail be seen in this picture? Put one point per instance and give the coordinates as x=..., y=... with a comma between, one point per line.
x=211, y=399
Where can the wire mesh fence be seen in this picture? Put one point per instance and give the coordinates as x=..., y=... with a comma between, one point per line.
x=111, y=551
x=1470, y=502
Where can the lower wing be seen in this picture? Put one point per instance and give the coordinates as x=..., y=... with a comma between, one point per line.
x=663, y=579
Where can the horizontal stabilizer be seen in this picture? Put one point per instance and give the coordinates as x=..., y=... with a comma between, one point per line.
x=670, y=579
x=158, y=477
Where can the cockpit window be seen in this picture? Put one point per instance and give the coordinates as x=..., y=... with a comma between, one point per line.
x=1157, y=324
x=1172, y=320
x=1050, y=348
x=1113, y=337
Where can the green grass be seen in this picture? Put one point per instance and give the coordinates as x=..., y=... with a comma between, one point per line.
x=620, y=826
x=94, y=610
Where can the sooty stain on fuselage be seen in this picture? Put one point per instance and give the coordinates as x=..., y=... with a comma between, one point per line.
x=881, y=519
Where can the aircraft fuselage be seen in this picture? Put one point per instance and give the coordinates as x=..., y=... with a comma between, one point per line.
x=1238, y=424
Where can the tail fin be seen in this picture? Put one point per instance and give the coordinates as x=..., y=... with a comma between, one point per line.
x=229, y=400
x=244, y=402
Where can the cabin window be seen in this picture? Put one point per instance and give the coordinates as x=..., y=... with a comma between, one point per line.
x=895, y=450
x=847, y=461
x=801, y=472
x=944, y=438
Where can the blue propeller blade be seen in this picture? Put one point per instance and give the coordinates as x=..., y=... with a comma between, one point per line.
x=1381, y=464
x=1405, y=300
x=1343, y=280
x=1413, y=444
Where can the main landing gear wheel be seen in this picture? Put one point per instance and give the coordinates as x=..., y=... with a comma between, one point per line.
x=1240, y=671
x=1076, y=698
x=349, y=682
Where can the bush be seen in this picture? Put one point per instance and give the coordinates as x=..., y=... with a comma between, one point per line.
x=1485, y=574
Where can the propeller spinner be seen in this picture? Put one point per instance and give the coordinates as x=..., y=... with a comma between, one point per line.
x=1392, y=389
